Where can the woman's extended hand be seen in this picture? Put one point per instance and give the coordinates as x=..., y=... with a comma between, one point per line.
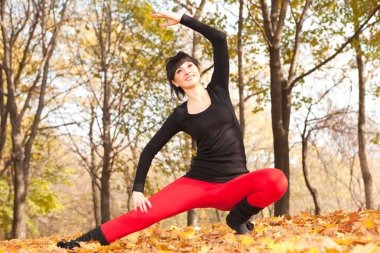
x=171, y=18
x=139, y=200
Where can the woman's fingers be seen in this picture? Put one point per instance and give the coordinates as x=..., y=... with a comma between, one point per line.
x=171, y=19
x=157, y=15
x=160, y=15
x=146, y=203
x=137, y=204
x=143, y=205
x=141, y=202
x=150, y=204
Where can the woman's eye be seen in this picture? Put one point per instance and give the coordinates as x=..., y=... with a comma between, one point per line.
x=178, y=71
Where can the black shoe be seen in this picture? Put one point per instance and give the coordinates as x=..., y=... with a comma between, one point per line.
x=68, y=245
x=238, y=218
x=95, y=234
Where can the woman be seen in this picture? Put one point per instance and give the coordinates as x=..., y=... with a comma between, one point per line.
x=218, y=177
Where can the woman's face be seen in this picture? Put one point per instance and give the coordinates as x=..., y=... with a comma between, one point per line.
x=186, y=76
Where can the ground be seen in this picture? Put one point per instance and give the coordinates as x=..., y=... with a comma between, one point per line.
x=340, y=231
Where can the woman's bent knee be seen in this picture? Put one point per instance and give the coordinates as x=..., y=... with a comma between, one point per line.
x=279, y=181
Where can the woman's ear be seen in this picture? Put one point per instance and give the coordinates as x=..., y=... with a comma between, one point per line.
x=176, y=85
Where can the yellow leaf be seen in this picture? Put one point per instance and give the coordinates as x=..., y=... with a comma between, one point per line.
x=332, y=251
x=230, y=238
x=369, y=223
x=312, y=250
x=343, y=241
x=246, y=240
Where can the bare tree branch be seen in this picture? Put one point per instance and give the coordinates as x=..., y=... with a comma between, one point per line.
x=257, y=24
x=299, y=24
x=267, y=23
x=280, y=25
x=357, y=32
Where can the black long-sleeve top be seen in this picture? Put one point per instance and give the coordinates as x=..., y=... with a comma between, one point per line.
x=220, y=150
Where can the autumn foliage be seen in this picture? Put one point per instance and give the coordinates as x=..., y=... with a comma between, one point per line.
x=331, y=233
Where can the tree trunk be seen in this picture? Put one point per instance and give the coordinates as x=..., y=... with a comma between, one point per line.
x=313, y=191
x=95, y=202
x=104, y=43
x=3, y=114
x=106, y=171
x=20, y=186
x=367, y=178
x=93, y=170
x=192, y=217
x=217, y=214
x=280, y=103
x=273, y=21
x=240, y=70
x=19, y=219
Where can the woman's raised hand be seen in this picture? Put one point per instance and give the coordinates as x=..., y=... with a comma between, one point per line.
x=171, y=18
x=139, y=200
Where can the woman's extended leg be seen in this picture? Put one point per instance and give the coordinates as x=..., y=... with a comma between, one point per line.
x=181, y=195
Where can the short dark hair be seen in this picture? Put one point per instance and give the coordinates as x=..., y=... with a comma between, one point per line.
x=172, y=64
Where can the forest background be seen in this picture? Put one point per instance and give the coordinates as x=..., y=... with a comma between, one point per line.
x=83, y=88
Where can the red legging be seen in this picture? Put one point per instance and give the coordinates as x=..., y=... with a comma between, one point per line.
x=262, y=187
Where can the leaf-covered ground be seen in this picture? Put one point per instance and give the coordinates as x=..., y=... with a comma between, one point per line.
x=332, y=233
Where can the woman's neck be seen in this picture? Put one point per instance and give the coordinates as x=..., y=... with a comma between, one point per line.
x=196, y=94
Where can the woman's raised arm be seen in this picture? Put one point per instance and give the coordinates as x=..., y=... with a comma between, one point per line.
x=220, y=76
